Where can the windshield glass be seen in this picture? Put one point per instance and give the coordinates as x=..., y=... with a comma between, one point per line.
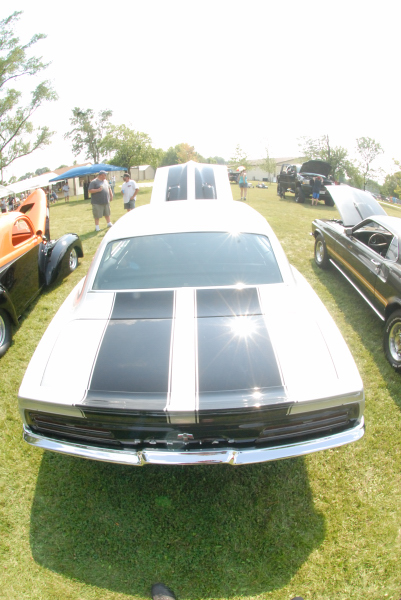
x=172, y=260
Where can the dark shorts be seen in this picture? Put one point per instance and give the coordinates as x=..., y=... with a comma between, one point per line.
x=243, y=185
x=100, y=210
x=315, y=195
x=130, y=205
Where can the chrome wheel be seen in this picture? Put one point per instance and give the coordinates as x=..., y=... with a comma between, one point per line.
x=2, y=330
x=5, y=332
x=394, y=341
x=319, y=251
x=73, y=260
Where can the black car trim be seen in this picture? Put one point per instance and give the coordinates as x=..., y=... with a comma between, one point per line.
x=134, y=357
x=227, y=302
x=235, y=353
x=143, y=305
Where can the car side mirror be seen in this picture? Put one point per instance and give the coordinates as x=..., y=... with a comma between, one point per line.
x=348, y=231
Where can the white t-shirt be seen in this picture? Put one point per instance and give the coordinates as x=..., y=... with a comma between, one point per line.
x=128, y=190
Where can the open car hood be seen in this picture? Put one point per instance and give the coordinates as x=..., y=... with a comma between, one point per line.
x=320, y=167
x=354, y=205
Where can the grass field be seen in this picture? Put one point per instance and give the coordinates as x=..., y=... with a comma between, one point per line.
x=327, y=526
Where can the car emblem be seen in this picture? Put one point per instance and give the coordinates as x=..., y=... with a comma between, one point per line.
x=185, y=437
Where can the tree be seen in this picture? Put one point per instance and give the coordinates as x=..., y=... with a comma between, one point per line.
x=18, y=137
x=42, y=170
x=368, y=150
x=88, y=132
x=336, y=156
x=239, y=158
x=269, y=164
x=130, y=147
x=181, y=153
x=26, y=176
x=185, y=152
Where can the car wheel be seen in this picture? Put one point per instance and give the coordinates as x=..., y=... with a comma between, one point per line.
x=5, y=332
x=329, y=201
x=392, y=340
x=321, y=255
x=299, y=196
x=72, y=260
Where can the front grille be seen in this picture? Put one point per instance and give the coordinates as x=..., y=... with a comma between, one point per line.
x=222, y=429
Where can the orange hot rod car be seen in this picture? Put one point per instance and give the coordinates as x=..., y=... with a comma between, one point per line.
x=29, y=261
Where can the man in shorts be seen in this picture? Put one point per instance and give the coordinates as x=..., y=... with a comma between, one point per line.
x=101, y=196
x=66, y=190
x=129, y=191
x=317, y=183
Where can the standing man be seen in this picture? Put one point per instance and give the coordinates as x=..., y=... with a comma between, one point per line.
x=316, y=190
x=129, y=191
x=101, y=196
x=66, y=190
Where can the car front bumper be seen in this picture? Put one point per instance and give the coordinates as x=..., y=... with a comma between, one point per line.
x=198, y=457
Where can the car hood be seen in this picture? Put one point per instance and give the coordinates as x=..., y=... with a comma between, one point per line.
x=354, y=205
x=187, y=351
x=320, y=167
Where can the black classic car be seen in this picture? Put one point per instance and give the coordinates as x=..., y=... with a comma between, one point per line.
x=29, y=260
x=298, y=179
x=364, y=246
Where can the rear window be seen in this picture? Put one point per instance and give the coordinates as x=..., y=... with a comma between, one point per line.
x=206, y=259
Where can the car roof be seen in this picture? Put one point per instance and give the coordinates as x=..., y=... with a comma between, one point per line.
x=191, y=181
x=189, y=216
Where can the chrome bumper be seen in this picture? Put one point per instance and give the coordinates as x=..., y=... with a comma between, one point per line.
x=195, y=457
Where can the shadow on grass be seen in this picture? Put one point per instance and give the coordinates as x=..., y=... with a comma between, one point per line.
x=205, y=531
x=363, y=320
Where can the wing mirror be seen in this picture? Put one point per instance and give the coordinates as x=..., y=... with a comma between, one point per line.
x=348, y=231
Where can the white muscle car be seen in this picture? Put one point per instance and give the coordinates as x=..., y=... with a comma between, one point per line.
x=195, y=342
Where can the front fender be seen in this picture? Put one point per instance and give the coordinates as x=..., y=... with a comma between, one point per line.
x=7, y=305
x=57, y=256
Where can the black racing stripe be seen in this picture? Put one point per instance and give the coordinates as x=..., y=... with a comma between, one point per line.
x=235, y=353
x=242, y=400
x=154, y=404
x=143, y=305
x=205, y=184
x=134, y=357
x=228, y=302
x=177, y=183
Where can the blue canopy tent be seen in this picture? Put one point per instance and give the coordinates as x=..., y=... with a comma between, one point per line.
x=86, y=170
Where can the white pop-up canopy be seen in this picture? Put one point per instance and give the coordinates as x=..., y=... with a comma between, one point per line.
x=5, y=191
x=33, y=183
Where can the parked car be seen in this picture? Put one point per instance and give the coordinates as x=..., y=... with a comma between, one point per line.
x=194, y=342
x=29, y=261
x=299, y=180
x=233, y=176
x=364, y=246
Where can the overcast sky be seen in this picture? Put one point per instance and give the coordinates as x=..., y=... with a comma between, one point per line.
x=219, y=73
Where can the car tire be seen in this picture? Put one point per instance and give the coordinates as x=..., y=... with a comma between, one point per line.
x=72, y=260
x=392, y=340
x=5, y=332
x=329, y=201
x=299, y=196
x=321, y=254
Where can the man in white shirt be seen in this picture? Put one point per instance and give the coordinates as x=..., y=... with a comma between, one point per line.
x=129, y=191
x=66, y=190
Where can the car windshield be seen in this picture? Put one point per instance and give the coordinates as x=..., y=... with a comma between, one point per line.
x=205, y=259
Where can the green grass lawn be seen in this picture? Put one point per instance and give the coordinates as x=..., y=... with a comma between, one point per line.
x=327, y=526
